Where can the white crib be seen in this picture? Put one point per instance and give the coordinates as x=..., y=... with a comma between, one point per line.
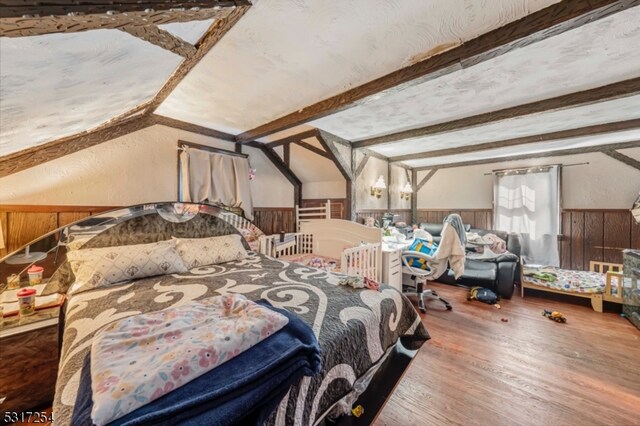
x=358, y=247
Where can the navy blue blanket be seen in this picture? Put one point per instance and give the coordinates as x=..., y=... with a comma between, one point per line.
x=245, y=390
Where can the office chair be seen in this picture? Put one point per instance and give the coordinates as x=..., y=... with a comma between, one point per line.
x=421, y=276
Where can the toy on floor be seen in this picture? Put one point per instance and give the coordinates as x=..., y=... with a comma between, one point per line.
x=483, y=295
x=554, y=316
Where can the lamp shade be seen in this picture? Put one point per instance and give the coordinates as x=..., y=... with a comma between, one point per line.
x=407, y=188
x=380, y=183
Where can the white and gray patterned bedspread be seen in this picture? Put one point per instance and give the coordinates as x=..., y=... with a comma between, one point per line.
x=353, y=327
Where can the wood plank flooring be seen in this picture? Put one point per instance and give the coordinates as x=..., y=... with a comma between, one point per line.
x=478, y=370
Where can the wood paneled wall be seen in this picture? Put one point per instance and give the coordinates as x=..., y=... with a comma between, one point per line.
x=272, y=220
x=22, y=224
x=596, y=235
x=477, y=218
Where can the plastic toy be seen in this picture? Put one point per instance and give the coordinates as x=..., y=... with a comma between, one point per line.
x=554, y=316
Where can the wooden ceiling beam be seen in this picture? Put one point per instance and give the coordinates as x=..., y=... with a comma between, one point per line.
x=557, y=153
x=426, y=179
x=631, y=162
x=540, y=25
x=328, y=142
x=193, y=128
x=19, y=19
x=22, y=160
x=161, y=38
x=586, y=97
x=597, y=129
x=313, y=149
x=312, y=133
x=225, y=20
x=282, y=168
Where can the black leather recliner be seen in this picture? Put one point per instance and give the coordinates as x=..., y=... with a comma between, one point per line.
x=500, y=275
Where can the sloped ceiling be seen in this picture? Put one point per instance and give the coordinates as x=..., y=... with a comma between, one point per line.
x=286, y=54
x=60, y=84
x=590, y=56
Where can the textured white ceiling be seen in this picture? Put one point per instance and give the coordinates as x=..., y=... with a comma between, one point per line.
x=61, y=84
x=188, y=31
x=286, y=54
x=596, y=54
x=505, y=153
x=604, y=112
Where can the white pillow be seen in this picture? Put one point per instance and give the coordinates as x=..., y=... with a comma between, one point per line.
x=197, y=252
x=99, y=267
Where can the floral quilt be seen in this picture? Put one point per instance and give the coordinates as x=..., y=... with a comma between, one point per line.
x=570, y=281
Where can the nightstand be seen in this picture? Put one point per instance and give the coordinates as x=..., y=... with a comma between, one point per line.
x=28, y=360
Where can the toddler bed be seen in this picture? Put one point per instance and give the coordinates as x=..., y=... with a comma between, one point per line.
x=330, y=244
x=603, y=282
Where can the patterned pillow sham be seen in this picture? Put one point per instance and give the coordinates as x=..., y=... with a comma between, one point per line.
x=99, y=267
x=252, y=234
x=197, y=252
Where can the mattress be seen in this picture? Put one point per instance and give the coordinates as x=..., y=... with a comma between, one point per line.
x=314, y=261
x=354, y=330
x=570, y=281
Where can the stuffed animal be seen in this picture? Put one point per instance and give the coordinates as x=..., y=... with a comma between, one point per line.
x=554, y=316
x=483, y=295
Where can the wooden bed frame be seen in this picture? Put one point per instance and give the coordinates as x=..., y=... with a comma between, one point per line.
x=337, y=239
x=613, y=273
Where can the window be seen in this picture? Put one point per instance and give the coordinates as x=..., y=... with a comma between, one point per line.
x=527, y=201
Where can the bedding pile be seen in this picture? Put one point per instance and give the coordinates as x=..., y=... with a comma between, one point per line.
x=353, y=327
x=195, y=362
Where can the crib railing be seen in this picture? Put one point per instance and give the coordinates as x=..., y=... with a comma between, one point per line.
x=270, y=245
x=364, y=260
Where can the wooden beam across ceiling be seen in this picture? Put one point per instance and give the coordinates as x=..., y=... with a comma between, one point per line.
x=223, y=23
x=313, y=149
x=282, y=168
x=597, y=129
x=586, y=97
x=548, y=22
x=631, y=162
x=161, y=38
x=189, y=127
x=19, y=18
x=312, y=133
x=21, y=160
x=556, y=153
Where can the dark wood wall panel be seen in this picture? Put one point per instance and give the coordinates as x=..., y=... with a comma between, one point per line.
x=596, y=235
x=477, y=218
x=273, y=220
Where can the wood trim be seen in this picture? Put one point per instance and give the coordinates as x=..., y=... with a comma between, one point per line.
x=414, y=196
x=426, y=179
x=286, y=154
x=189, y=127
x=311, y=148
x=22, y=160
x=274, y=209
x=537, y=26
x=362, y=164
x=282, y=168
x=192, y=128
x=328, y=141
x=558, y=153
x=543, y=137
x=631, y=162
x=21, y=19
x=211, y=149
x=586, y=97
x=225, y=20
x=161, y=38
x=293, y=138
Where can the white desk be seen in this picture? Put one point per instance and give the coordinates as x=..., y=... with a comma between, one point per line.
x=392, y=264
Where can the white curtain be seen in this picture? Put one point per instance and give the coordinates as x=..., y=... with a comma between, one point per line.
x=217, y=178
x=529, y=203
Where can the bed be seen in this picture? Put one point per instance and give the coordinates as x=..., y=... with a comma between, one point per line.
x=364, y=335
x=603, y=282
x=330, y=244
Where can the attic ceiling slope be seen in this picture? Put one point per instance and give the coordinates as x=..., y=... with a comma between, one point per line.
x=19, y=19
x=515, y=34
x=321, y=49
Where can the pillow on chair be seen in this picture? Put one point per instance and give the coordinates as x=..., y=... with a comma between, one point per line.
x=422, y=246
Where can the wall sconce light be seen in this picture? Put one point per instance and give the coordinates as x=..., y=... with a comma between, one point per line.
x=376, y=189
x=406, y=192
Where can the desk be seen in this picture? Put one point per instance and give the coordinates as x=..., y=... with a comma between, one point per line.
x=392, y=264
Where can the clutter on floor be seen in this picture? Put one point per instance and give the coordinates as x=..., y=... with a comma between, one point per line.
x=483, y=295
x=554, y=316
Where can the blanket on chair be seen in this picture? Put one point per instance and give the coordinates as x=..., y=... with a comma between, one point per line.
x=239, y=390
